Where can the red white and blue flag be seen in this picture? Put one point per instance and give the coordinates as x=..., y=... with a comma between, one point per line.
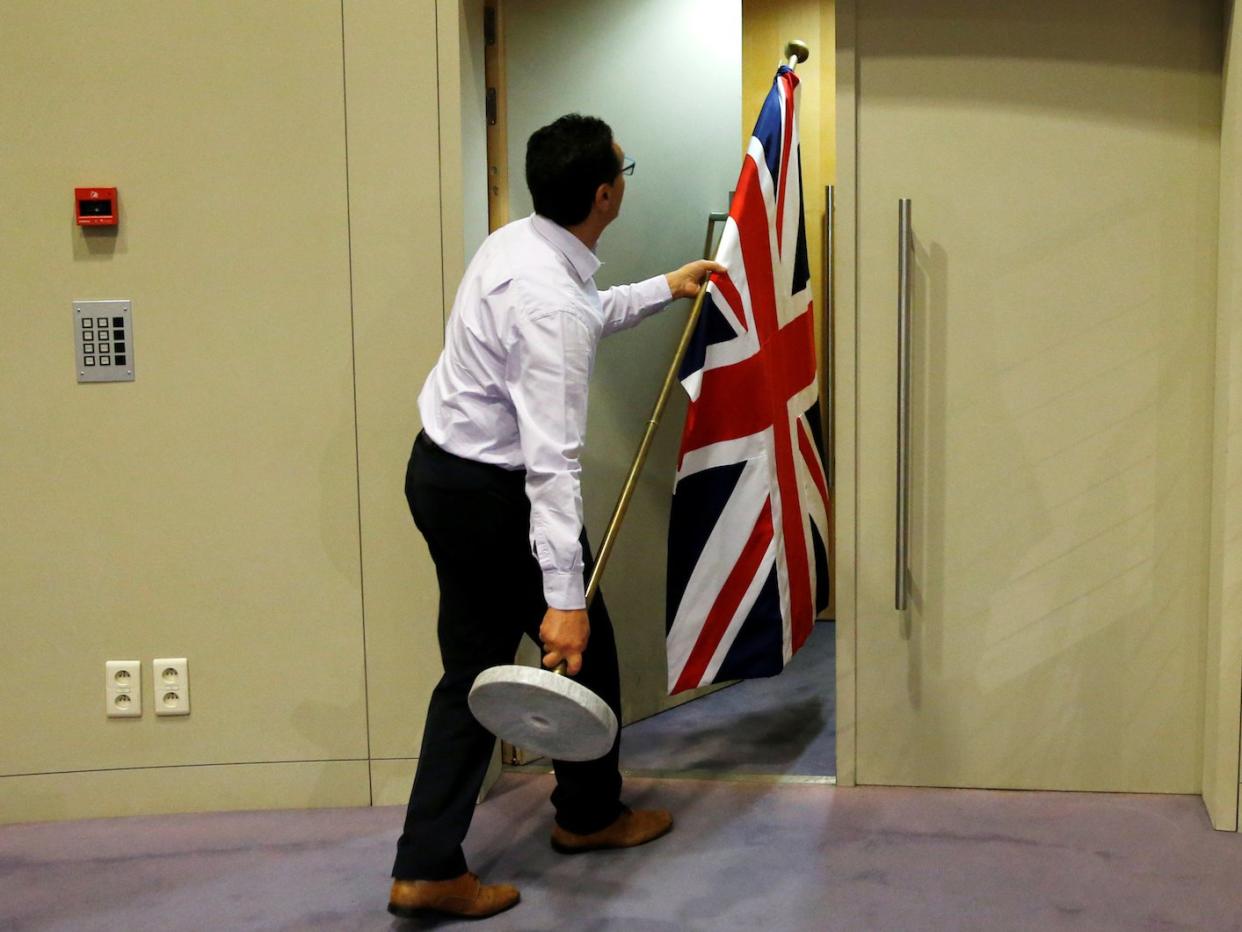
x=748, y=565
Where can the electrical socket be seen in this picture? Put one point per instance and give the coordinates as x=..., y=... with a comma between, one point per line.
x=123, y=688
x=170, y=678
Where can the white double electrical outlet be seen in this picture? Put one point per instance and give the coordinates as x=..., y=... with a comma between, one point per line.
x=123, y=688
x=170, y=680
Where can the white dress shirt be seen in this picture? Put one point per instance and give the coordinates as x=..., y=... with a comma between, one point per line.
x=510, y=387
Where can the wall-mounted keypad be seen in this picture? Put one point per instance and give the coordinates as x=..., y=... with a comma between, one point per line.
x=104, y=339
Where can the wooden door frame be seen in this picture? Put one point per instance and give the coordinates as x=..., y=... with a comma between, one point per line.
x=845, y=396
x=497, y=115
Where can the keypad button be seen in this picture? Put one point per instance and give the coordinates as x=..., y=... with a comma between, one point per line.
x=101, y=322
x=118, y=321
x=87, y=323
x=120, y=360
x=90, y=360
x=118, y=347
x=118, y=334
x=105, y=360
x=105, y=347
x=88, y=348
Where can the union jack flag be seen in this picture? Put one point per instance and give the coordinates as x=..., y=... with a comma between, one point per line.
x=747, y=563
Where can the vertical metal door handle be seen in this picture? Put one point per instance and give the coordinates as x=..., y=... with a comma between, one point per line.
x=830, y=308
x=905, y=248
x=715, y=217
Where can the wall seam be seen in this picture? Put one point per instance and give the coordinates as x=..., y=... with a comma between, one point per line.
x=228, y=763
x=353, y=375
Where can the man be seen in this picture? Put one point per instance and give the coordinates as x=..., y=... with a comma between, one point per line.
x=493, y=485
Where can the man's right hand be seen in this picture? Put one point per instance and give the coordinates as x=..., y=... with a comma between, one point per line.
x=686, y=281
x=564, y=635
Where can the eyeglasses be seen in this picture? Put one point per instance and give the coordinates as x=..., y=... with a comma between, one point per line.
x=627, y=165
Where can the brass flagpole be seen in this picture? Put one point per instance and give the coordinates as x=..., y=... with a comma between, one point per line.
x=644, y=447
x=796, y=52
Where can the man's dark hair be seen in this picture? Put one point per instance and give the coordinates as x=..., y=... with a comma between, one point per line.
x=566, y=162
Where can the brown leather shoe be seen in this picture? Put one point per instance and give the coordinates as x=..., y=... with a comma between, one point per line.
x=464, y=896
x=629, y=829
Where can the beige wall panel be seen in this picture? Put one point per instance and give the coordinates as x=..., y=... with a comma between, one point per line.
x=1224, y=636
x=391, y=781
x=208, y=509
x=1066, y=211
x=102, y=794
x=395, y=222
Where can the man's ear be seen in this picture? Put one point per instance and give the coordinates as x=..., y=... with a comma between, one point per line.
x=603, y=195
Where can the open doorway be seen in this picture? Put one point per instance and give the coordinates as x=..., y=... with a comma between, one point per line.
x=673, y=79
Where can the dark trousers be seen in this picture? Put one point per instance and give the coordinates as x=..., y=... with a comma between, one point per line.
x=476, y=520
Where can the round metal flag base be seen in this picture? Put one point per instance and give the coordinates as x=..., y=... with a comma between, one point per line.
x=543, y=712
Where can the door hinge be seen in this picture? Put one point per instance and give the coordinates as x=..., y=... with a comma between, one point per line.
x=489, y=25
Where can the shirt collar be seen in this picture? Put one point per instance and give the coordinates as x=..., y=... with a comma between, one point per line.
x=585, y=262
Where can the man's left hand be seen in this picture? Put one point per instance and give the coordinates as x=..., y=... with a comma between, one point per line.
x=564, y=634
x=686, y=281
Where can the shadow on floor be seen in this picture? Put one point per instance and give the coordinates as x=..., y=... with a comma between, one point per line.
x=784, y=725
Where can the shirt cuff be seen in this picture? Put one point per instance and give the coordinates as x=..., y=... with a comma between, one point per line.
x=655, y=291
x=564, y=591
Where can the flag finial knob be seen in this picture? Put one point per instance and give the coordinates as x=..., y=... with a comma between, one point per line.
x=798, y=49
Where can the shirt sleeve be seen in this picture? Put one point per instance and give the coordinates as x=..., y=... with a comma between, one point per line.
x=625, y=305
x=547, y=374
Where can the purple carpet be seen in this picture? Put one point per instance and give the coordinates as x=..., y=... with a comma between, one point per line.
x=743, y=856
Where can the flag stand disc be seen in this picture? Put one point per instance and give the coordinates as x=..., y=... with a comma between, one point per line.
x=543, y=712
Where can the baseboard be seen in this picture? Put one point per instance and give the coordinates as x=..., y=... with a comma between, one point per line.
x=99, y=794
x=391, y=780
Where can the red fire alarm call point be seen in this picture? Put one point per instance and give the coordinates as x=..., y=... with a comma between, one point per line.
x=95, y=207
